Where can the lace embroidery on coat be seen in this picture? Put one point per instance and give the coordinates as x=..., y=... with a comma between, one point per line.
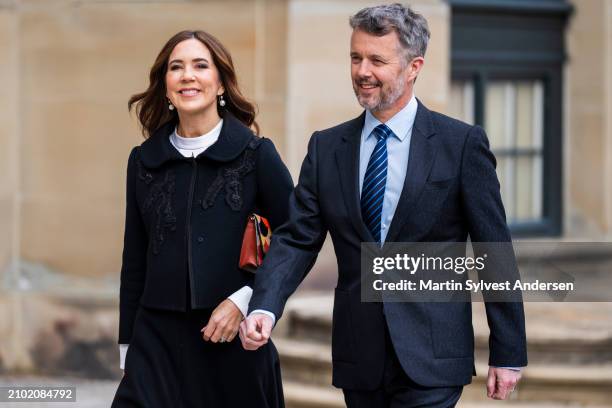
x=231, y=177
x=159, y=200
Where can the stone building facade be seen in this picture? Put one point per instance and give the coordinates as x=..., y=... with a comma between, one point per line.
x=68, y=68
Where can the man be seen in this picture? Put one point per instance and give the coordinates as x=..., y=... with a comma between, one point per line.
x=397, y=173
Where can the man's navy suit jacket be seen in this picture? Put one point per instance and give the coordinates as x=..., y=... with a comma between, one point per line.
x=450, y=191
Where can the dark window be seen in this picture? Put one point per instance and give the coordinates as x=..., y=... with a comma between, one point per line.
x=507, y=61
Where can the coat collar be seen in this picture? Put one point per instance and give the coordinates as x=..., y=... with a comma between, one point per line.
x=233, y=139
x=423, y=122
x=420, y=160
x=347, y=160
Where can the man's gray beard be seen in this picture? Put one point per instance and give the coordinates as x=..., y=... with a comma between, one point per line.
x=386, y=100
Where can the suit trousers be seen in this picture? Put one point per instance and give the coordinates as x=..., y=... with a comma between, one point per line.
x=399, y=391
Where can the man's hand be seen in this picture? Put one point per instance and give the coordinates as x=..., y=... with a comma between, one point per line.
x=223, y=323
x=255, y=331
x=501, y=382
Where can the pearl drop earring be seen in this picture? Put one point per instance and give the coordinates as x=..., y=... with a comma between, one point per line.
x=221, y=100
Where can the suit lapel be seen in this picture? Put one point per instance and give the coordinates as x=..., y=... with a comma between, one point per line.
x=347, y=160
x=420, y=160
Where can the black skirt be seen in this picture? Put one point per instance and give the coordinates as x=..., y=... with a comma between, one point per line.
x=168, y=364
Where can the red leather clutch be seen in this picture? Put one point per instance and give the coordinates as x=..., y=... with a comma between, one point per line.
x=255, y=242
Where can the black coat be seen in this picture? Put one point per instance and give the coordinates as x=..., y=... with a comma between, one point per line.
x=185, y=219
x=450, y=191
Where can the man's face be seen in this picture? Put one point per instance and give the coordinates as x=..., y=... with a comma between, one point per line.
x=379, y=71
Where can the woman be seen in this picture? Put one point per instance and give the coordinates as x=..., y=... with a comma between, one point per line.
x=190, y=189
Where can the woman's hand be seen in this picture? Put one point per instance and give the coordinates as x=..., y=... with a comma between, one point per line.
x=223, y=323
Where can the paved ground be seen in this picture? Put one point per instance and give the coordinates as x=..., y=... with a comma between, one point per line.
x=89, y=393
x=99, y=394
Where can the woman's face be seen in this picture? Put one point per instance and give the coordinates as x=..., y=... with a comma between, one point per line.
x=192, y=79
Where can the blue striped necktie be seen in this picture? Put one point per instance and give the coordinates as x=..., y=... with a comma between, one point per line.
x=374, y=182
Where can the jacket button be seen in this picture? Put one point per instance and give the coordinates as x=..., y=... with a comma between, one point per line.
x=200, y=239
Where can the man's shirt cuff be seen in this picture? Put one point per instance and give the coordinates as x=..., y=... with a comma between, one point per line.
x=123, y=348
x=267, y=313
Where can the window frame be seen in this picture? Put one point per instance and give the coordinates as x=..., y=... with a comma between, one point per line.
x=482, y=63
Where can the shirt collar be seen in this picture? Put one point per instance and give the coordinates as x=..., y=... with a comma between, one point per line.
x=233, y=139
x=198, y=142
x=401, y=123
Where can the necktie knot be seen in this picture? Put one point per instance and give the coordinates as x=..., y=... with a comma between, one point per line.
x=382, y=132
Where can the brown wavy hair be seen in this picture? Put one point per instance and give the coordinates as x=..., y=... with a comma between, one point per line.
x=152, y=106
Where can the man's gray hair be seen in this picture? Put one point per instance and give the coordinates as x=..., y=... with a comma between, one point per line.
x=411, y=27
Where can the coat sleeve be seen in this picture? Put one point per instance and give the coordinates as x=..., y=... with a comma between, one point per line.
x=134, y=260
x=274, y=185
x=295, y=245
x=486, y=218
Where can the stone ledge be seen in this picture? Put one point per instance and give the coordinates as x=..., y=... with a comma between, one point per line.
x=583, y=325
x=299, y=395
